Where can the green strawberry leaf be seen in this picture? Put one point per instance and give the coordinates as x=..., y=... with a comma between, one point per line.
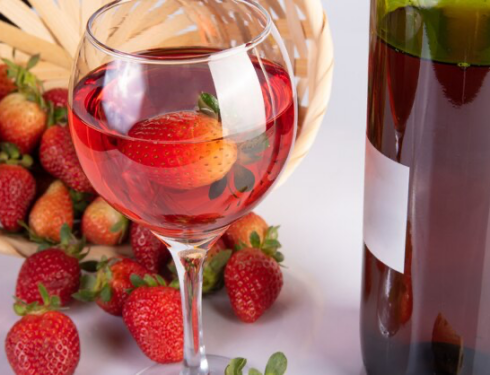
x=253, y=371
x=137, y=281
x=55, y=301
x=244, y=179
x=219, y=261
x=255, y=240
x=277, y=364
x=160, y=280
x=150, y=281
x=20, y=309
x=217, y=188
x=175, y=284
x=208, y=104
x=85, y=295
x=65, y=234
x=33, y=61
x=106, y=293
x=88, y=282
x=271, y=244
x=272, y=233
x=80, y=201
x=44, y=293
x=236, y=366
x=278, y=256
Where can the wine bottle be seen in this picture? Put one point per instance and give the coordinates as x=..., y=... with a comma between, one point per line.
x=425, y=306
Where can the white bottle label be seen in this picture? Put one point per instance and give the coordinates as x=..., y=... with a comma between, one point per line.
x=385, y=208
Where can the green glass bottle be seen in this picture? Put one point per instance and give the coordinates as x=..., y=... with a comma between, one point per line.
x=426, y=284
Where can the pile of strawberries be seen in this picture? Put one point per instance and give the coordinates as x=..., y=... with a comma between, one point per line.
x=45, y=195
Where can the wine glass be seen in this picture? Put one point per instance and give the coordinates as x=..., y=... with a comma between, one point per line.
x=183, y=115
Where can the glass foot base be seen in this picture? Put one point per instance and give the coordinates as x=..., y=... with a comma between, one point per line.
x=217, y=366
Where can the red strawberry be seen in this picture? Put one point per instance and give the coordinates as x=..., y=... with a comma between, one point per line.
x=22, y=122
x=253, y=281
x=44, y=341
x=102, y=224
x=148, y=250
x=7, y=84
x=53, y=209
x=57, y=268
x=239, y=232
x=153, y=315
x=57, y=156
x=110, y=287
x=17, y=191
x=184, y=150
x=22, y=114
x=58, y=96
x=214, y=267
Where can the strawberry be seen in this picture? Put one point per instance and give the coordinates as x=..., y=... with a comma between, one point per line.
x=253, y=277
x=17, y=187
x=102, y=224
x=148, y=250
x=239, y=232
x=153, y=315
x=58, y=157
x=214, y=267
x=110, y=287
x=57, y=96
x=7, y=84
x=183, y=150
x=53, y=209
x=22, y=114
x=44, y=341
x=57, y=267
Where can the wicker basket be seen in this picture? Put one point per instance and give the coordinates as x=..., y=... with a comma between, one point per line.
x=54, y=29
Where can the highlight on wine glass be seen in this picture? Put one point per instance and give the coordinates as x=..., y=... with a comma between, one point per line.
x=183, y=121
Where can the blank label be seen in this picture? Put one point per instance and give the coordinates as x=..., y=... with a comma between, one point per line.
x=385, y=208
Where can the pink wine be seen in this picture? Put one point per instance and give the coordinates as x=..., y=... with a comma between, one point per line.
x=429, y=111
x=177, y=187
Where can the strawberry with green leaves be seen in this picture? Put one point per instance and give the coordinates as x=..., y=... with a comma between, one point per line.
x=51, y=211
x=147, y=249
x=253, y=277
x=17, y=187
x=23, y=113
x=238, y=234
x=56, y=266
x=111, y=284
x=184, y=150
x=103, y=225
x=277, y=365
x=153, y=315
x=44, y=341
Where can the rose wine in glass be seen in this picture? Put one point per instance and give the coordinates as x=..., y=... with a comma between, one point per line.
x=183, y=115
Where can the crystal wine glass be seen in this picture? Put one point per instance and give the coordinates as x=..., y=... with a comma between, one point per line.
x=183, y=114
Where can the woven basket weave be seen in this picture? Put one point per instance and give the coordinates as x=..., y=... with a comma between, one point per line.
x=54, y=28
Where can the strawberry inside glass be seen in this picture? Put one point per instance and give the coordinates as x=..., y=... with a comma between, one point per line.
x=154, y=154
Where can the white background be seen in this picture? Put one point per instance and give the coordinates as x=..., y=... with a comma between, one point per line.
x=315, y=320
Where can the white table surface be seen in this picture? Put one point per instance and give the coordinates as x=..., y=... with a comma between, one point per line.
x=315, y=321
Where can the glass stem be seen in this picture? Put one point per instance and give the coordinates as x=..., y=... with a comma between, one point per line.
x=189, y=259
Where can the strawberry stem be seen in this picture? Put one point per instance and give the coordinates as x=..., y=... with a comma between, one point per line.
x=50, y=303
x=208, y=104
x=11, y=155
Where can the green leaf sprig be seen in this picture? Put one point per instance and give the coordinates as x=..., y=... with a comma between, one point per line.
x=277, y=365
